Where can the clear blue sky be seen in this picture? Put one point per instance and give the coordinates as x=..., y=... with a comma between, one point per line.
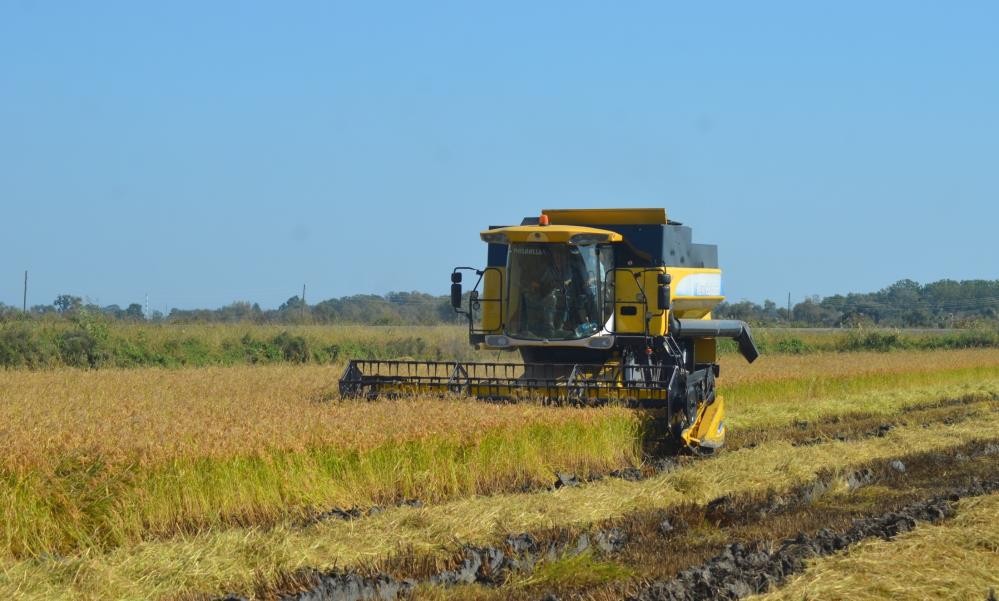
x=206, y=152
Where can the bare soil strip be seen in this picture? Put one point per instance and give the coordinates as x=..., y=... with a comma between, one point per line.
x=728, y=548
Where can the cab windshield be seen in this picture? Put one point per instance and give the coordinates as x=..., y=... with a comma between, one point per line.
x=558, y=291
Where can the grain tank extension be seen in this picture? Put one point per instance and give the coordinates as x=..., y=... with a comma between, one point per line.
x=596, y=306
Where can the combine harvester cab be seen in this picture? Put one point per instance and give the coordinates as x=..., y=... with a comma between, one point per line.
x=604, y=306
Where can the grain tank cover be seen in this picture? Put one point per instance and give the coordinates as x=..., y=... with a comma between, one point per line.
x=653, y=238
x=601, y=217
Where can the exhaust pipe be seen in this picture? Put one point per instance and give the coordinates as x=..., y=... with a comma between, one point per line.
x=718, y=328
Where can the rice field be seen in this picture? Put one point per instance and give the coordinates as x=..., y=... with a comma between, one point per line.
x=159, y=483
x=957, y=560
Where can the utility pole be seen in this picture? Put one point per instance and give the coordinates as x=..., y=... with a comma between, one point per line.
x=24, y=302
x=303, y=302
x=145, y=310
x=788, y=307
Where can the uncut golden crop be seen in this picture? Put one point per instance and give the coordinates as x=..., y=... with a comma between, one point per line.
x=769, y=368
x=149, y=415
x=154, y=414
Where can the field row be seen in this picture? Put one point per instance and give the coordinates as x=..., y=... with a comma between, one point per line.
x=117, y=457
x=233, y=558
x=89, y=341
x=147, y=416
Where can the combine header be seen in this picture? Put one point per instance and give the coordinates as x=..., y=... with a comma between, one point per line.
x=604, y=306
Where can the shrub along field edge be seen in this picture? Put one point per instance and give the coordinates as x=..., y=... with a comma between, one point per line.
x=91, y=341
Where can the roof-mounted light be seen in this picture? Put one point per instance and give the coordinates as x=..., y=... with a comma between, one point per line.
x=543, y=219
x=588, y=239
x=494, y=238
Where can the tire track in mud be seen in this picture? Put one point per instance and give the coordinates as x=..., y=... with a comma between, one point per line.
x=669, y=547
x=743, y=570
x=846, y=427
x=765, y=522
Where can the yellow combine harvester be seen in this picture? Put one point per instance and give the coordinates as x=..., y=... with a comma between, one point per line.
x=603, y=305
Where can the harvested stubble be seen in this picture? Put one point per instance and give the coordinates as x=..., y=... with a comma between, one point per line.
x=236, y=558
x=916, y=409
x=828, y=375
x=656, y=545
x=956, y=560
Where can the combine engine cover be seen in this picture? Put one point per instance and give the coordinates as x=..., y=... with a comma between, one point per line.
x=603, y=306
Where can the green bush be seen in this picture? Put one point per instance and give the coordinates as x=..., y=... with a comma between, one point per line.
x=967, y=339
x=138, y=352
x=293, y=348
x=86, y=344
x=412, y=346
x=258, y=351
x=19, y=347
x=792, y=346
x=873, y=340
x=80, y=348
x=326, y=354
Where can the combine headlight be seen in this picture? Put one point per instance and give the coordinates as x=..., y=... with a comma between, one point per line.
x=494, y=238
x=601, y=342
x=497, y=341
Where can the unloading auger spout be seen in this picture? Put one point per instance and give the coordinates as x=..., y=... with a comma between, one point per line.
x=720, y=328
x=600, y=306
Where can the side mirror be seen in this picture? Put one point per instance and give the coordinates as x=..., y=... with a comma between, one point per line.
x=663, y=292
x=456, y=290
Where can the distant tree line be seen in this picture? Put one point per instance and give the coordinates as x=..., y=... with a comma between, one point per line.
x=394, y=308
x=946, y=303
x=904, y=304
